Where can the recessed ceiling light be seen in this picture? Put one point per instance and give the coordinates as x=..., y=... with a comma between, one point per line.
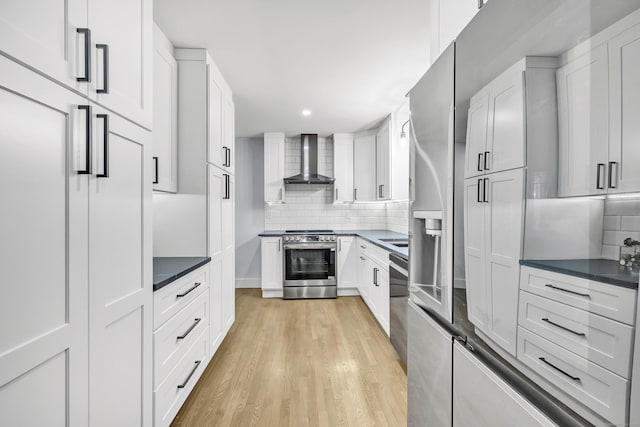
x=306, y=112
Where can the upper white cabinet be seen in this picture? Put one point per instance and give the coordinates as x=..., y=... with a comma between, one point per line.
x=272, y=266
x=343, y=167
x=383, y=161
x=78, y=44
x=274, y=167
x=493, y=226
x=228, y=142
x=477, y=123
x=221, y=119
x=364, y=168
x=165, y=114
x=448, y=19
x=583, y=106
x=597, y=87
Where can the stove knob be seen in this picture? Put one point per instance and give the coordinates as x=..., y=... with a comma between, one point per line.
x=297, y=238
x=322, y=238
x=333, y=238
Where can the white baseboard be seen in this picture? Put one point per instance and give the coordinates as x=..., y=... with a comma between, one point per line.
x=348, y=292
x=272, y=293
x=248, y=283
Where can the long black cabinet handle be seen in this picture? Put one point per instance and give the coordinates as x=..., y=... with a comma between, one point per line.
x=87, y=54
x=105, y=68
x=155, y=176
x=193, y=371
x=480, y=181
x=187, y=292
x=188, y=331
x=549, y=285
x=611, y=175
x=580, y=334
x=227, y=189
x=486, y=158
x=228, y=157
x=599, y=183
x=88, y=157
x=558, y=369
x=480, y=162
x=105, y=147
x=485, y=187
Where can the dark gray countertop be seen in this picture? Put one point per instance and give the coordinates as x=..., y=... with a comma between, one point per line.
x=168, y=269
x=600, y=270
x=372, y=236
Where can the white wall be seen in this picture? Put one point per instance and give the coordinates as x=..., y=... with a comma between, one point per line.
x=249, y=154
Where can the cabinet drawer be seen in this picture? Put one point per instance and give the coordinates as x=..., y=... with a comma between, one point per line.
x=610, y=301
x=379, y=256
x=174, y=390
x=174, y=297
x=603, y=341
x=598, y=389
x=172, y=339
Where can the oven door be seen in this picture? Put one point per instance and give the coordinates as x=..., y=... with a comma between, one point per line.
x=309, y=264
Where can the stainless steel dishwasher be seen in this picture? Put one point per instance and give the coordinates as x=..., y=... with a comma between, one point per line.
x=398, y=300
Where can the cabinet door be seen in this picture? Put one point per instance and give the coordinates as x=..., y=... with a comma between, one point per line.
x=477, y=121
x=347, y=263
x=363, y=277
x=364, y=168
x=165, y=115
x=217, y=188
x=228, y=289
x=504, y=219
x=624, y=149
x=44, y=36
x=120, y=285
x=583, y=109
x=383, y=162
x=215, y=303
x=273, y=167
x=229, y=134
x=382, y=300
x=43, y=255
x=272, y=263
x=343, y=167
x=476, y=389
x=227, y=213
x=505, y=140
x=477, y=294
x=123, y=69
x=215, y=107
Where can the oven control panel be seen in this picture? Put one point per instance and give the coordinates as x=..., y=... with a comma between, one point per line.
x=309, y=238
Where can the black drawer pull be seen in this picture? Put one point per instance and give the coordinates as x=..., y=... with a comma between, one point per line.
x=88, y=157
x=549, y=285
x=188, y=291
x=480, y=162
x=193, y=371
x=480, y=181
x=486, y=158
x=105, y=147
x=105, y=68
x=580, y=334
x=188, y=331
x=87, y=54
x=155, y=175
x=558, y=369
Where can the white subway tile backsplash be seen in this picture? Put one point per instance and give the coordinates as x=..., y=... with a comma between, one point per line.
x=630, y=223
x=621, y=220
x=612, y=222
x=629, y=207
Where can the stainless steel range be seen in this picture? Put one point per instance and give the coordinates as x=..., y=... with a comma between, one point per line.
x=309, y=264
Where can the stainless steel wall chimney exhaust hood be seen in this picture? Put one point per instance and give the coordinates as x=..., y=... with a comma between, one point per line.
x=309, y=163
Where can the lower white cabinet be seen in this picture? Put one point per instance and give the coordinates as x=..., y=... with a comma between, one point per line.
x=228, y=288
x=347, y=262
x=493, y=228
x=482, y=398
x=373, y=281
x=272, y=260
x=181, y=348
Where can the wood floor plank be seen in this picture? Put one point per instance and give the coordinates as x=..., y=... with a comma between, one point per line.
x=299, y=363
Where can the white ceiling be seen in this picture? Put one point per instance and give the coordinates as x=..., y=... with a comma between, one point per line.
x=350, y=62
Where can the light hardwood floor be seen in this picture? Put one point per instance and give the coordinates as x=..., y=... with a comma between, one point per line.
x=300, y=363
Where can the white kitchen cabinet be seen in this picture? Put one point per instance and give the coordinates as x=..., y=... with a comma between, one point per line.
x=381, y=294
x=477, y=122
x=123, y=57
x=364, y=284
x=624, y=104
x=494, y=215
x=115, y=60
x=448, y=18
x=216, y=334
x=44, y=262
x=383, y=161
x=120, y=289
x=221, y=118
x=165, y=114
x=476, y=389
x=221, y=198
x=272, y=266
x=364, y=168
x=227, y=289
x=583, y=124
x=373, y=281
x=274, y=168
x=229, y=134
x=347, y=263
x=343, y=167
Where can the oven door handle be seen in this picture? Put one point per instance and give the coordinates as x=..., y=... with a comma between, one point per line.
x=331, y=246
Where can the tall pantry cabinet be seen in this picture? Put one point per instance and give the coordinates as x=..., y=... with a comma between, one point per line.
x=206, y=167
x=75, y=319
